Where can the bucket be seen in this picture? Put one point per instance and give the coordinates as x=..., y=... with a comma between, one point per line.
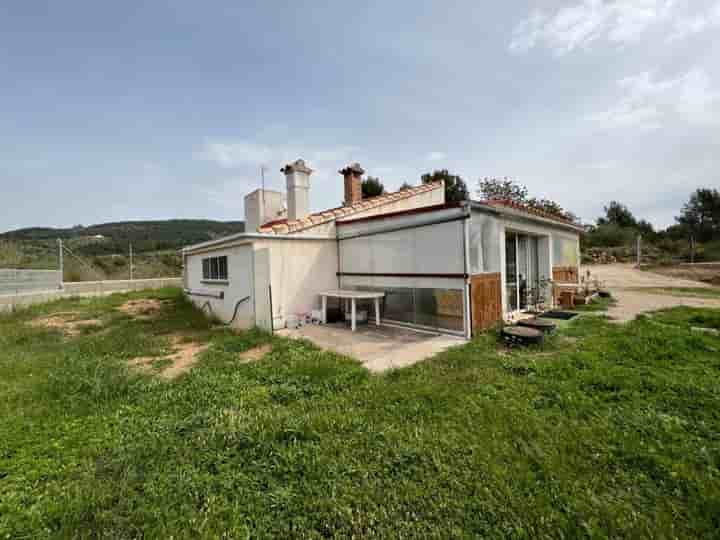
x=292, y=322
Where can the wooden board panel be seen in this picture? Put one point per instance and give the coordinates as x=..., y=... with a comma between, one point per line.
x=486, y=301
x=565, y=274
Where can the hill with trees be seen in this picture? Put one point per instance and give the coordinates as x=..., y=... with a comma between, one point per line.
x=103, y=251
x=694, y=237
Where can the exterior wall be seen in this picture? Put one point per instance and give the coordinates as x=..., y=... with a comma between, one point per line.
x=261, y=206
x=239, y=285
x=487, y=245
x=298, y=271
x=566, y=249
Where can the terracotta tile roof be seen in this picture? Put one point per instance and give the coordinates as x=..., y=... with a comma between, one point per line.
x=283, y=226
x=506, y=203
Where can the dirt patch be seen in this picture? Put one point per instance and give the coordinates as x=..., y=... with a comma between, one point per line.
x=67, y=322
x=147, y=308
x=635, y=291
x=182, y=359
x=255, y=353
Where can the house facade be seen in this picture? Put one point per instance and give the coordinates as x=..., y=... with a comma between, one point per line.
x=454, y=268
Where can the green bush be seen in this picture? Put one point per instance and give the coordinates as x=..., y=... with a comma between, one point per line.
x=609, y=236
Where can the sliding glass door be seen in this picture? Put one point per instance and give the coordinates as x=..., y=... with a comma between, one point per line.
x=511, y=272
x=521, y=270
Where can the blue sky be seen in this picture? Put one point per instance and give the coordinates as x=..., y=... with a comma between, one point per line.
x=168, y=109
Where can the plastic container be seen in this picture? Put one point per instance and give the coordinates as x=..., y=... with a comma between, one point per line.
x=292, y=322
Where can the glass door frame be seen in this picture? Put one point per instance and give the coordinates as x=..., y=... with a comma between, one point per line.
x=527, y=238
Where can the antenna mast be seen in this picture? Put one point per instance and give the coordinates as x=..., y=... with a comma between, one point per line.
x=262, y=195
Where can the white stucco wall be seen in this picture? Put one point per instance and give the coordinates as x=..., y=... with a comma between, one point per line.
x=299, y=270
x=239, y=284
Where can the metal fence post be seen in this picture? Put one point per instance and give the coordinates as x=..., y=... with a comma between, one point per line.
x=61, y=263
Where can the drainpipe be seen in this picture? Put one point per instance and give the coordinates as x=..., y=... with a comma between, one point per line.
x=466, y=258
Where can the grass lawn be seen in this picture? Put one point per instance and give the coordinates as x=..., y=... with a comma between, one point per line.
x=609, y=430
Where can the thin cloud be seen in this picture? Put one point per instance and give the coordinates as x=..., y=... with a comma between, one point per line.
x=696, y=24
x=231, y=154
x=582, y=24
x=649, y=104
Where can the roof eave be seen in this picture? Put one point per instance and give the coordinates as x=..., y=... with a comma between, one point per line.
x=219, y=242
x=503, y=210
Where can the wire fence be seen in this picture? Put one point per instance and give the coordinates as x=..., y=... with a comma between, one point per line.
x=31, y=265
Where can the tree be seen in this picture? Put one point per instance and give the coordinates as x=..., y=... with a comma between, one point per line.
x=372, y=187
x=506, y=189
x=618, y=214
x=10, y=255
x=455, y=187
x=495, y=189
x=405, y=186
x=701, y=214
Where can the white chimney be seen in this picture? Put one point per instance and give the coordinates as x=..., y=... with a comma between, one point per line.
x=297, y=175
x=262, y=206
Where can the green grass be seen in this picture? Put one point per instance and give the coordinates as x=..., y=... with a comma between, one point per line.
x=607, y=431
x=696, y=292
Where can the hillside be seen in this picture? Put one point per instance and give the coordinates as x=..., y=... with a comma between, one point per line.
x=103, y=250
x=109, y=238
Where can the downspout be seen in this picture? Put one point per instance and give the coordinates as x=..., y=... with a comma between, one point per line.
x=337, y=251
x=466, y=257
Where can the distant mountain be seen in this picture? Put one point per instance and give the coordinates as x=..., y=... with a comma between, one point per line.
x=107, y=238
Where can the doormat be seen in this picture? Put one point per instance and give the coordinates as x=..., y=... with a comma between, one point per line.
x=564, y=315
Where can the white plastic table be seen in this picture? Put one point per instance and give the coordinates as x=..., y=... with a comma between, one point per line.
x=353, y=296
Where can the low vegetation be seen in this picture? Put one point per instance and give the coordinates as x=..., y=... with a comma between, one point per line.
x=608, y=431
x=695, y=237
x=685, y=292
x=709, y=274
x=103, y=251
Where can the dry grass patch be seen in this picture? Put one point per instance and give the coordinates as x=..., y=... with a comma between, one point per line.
x=256, y=353
x=181, y=360
x=66, y=321
x=145, y=308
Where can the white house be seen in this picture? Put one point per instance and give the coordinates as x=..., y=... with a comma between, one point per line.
x=455, y=268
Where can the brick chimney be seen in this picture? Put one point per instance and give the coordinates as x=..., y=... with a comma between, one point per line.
x=353, y=183
x=297, y=176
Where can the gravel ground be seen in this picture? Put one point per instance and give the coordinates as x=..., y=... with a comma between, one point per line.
x=626, y=283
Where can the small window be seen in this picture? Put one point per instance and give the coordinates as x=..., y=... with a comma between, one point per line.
x=215, y=269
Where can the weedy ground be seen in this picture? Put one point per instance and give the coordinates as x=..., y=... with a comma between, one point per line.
x=698, y=292
x=608, y=430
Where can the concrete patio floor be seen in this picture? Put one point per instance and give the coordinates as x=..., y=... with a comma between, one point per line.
x=378, y=348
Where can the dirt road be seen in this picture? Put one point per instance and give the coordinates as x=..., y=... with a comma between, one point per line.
x=627, y=283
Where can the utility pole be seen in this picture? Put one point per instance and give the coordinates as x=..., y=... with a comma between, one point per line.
x=692, y=248
x=61, y=262
x=639, y=249
x=131, y=262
